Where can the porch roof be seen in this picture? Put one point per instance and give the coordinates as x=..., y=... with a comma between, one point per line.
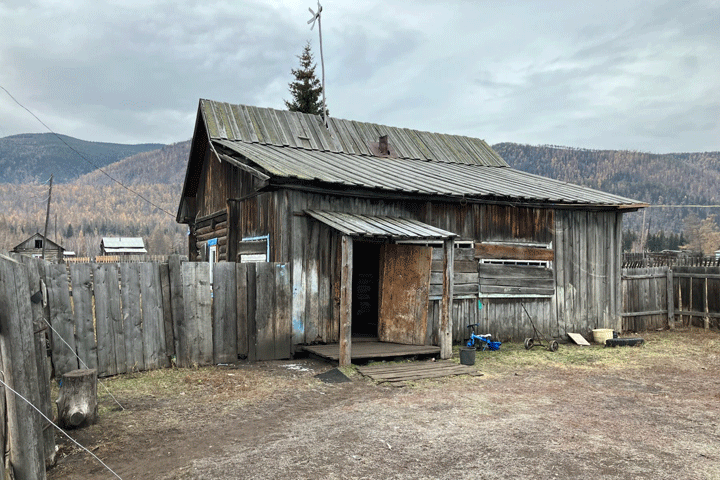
x=375, y=226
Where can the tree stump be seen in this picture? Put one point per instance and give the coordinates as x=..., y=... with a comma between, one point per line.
x=77, y=402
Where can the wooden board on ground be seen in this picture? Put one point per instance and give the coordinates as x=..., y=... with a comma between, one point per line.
x=402, y=372
x=577, y=338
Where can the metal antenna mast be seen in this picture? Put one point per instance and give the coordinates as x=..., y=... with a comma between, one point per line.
x=316, y=16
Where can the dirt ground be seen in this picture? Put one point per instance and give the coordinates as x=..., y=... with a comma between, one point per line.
x=649, y=412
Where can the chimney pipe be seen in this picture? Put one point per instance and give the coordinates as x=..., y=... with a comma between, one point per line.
x=383, y=145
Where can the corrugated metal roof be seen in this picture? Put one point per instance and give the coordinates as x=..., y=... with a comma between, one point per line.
x=418, y=177
x=123, y=242
x=375, y=226
x=267, y=126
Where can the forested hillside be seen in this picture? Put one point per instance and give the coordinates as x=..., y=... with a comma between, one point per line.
x=668, y=179
x=88, y=207
x=33, y=157
x=93, y=206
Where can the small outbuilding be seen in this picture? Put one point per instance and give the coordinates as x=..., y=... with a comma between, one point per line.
x=122, y=246
x=37, y=244
x=400, y=235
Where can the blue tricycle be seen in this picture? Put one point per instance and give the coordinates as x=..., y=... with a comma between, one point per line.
x=481, y=342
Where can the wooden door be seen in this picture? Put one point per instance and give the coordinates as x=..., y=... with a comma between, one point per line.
x=404, y=284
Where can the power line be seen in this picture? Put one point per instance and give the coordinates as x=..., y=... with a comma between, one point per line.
x=56, y=427
x=84, y=158
x=683, y=206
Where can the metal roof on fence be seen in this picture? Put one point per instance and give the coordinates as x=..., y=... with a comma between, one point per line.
x=419, y=177
x=267, y=126
x=379, y=226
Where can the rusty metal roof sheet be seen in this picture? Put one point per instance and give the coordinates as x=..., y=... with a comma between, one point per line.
x=267, y=126
x=412, y=176
x=375, y=226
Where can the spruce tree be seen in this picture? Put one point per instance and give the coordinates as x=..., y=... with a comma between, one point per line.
x=306, y=89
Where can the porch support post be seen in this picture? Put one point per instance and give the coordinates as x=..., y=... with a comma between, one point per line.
x=346, y=301
x=445, y=327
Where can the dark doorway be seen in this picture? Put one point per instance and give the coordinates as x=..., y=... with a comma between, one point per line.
x=366, y=273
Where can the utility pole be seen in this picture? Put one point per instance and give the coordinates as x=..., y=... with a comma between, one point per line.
x=47, y=218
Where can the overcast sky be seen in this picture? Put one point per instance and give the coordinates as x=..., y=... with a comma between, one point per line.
x=637, y=75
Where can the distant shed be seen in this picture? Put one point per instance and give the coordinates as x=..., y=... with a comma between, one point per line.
x=122, y=246
x=33, y=247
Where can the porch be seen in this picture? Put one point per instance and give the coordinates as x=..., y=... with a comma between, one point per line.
x=369, y=350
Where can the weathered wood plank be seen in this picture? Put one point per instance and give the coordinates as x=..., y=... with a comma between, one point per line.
x=82, y=288
x=104, y=321
x=346, y=275
x=264, y=311
x=446, y=320
x=195, y=330
x=132, y=316
x=177, y=303
x=34, y=268
x=167, y=311
x=152, y=317
x=61, y=318
x=17, y=347
x=241, y=299
x=225, y=337
x=283, y=312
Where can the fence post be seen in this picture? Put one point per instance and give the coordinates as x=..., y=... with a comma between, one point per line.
x=670, y=300
x=20, y=371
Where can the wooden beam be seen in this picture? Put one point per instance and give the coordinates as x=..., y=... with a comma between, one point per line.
x=445, y=326
x=346, y=301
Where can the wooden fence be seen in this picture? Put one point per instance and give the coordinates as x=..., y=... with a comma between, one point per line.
x=24, y=367
x=658, y=297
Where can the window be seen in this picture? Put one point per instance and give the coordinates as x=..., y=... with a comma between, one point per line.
x=38, y=243
x=515, y=270
x=212, y=256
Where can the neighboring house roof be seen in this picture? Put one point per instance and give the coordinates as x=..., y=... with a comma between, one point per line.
x=123, y=245
x=294, y=148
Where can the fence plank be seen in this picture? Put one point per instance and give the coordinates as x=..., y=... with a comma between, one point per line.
x=152, y=318
x=224, y=330
x=34, y=267
x=251, y=311
x=241, y=309
x=82, y=288
x=283, y=312
x=132, y=317
x=17, y=347
x=264, y=310
x=167, y=310
x=195, y=330
x=61, y=318
x=104, y=321
x=176, y=299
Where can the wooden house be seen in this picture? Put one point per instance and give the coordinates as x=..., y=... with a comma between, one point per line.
x=379, y=225
x=37, y=244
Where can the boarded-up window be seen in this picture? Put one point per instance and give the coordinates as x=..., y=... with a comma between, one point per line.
x=515, y=270
x=252, y=250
